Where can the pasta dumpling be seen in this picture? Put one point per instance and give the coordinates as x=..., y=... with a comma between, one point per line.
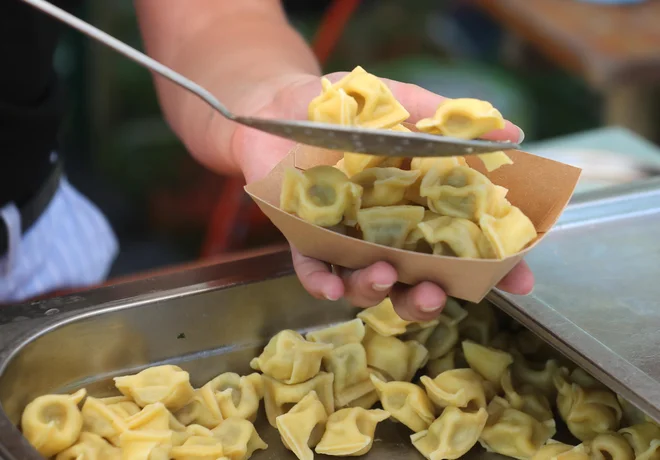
x=443, y=338
x=340, y=334
x=587, y=412
x=389, y=225
x=154, y=417
x=376, y=105
x=146, y=445
x=507, y=235
x=451, y=435
x=554, y=450
x=238, y=438
x=490, y=363
x=480, y=325
x=332, y=106
x=460, y=192
x=203, y=409
x=644, y=438
x=610, y=446
x=396, y=359
x=350, y=432
x=348, y=364
x=279, y=397
x=540, y=377
x=437, y=366
x=236, y=396
x=198, y=448
x=100, y=419
x=406, y=403
x=321, y=195
x=513, y=433
x=415, y=240
x=52, y=423
x=303, y=426
x=462, y=388
x=467, y=119
x=455, y=237
x=526, y=398
x=384, y=186
x=290, y=358
x=90, y=447
x=167, y=384
x=383, y=319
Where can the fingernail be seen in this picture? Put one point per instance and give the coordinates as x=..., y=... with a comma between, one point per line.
x=331, y=297
x=381, y=287
x=521, y=136
x=429, y=308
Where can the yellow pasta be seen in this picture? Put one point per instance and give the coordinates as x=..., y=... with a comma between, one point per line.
x=610, y=446
x=456, y=237
x=644, y=438
x=303, y=426
x=167, y=384
x=236, y=396
x=389, y=225
x=340, y=334
x=406, y=403
x=462, y=388
x=490, y=363
x=321, y=195
x=238, y=438
x=90, y=447
x=350, y=432
x=384, y=186
x=396, y=359
x=383, y=319
x=333, y=106
x=348, y=364
x=507, y=235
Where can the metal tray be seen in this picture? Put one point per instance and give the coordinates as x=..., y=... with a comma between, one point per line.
x=216, y=318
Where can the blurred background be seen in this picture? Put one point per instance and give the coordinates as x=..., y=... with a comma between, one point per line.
x=580, y=77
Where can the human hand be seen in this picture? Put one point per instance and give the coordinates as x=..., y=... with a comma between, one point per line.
x=257, y=153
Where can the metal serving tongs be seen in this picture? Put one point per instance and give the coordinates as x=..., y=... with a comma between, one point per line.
x=335, y=137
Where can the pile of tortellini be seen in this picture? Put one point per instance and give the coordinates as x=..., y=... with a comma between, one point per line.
x=468, y=378
x=433, y=205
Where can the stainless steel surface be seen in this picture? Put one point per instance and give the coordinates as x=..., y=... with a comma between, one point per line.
x=597, y=294
x=352, y=139
x=595, y=301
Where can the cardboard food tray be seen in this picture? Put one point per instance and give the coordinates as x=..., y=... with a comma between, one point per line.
x=541, y=188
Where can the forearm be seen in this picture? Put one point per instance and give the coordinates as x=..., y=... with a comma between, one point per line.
x=241, y=51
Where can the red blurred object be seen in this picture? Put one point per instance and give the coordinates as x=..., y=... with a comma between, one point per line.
x=235, y=215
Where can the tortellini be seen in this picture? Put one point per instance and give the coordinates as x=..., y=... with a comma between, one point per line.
x=513, y=433
x=460, y=192
x=280, y=397
x=146, y=445
x=453, y=236
x=384, y=186
x=238, y=438
x=490, y=363
x=303, y=426
x=389, y=225
x=348, y=364
x=322, y=196
x=644, y=438
x=480, y=325
x=406, y=403
x=350, y=432
x=333, y=106
x=554, y=450
x=443, y=338
x=467, y=119
x=610, y=446
x=383, y=319
x=52, y=423
x=462, y=388
x=203, y=409
x=235, y=396
x=340, y=334
x=526, y=398
x=396, y=359
x=90, y=447
x=167, y=384
x=508, y=234
x=451, y=435
x=290, y=358
x=587, y=412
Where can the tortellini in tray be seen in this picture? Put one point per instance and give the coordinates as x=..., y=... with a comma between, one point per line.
x=439, y=206
x=470, y=379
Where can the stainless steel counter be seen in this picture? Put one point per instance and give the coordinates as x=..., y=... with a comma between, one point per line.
x=596, y=301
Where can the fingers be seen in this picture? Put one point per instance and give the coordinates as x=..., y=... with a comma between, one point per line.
x=369, y=286
x=518, y=281
x=422, y=302
x=316, y=277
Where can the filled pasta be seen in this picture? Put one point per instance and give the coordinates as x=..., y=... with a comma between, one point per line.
x=302, y=427
x=610, y=446
x=146, y=445
x=167, y=384
x=455, y=237
x=384, y=186
x=203, y=409
x=526, y=398
x=321, y=195
x=339, y=334
x=462, y=388
x=238, y=438
x=90, y=446
x=490, y=363
x=235, y=396
x=333, y=106
x=644, y=438
x=350, y=431
x=396, y=359
x=290, y=358
x=406, y=402
x=389, y=225
x=52, y=423
x=508, y=234
x=348, y=364
x=383, y=319
x=451, y=435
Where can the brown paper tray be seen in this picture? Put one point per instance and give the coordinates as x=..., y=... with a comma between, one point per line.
x=541, y=188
